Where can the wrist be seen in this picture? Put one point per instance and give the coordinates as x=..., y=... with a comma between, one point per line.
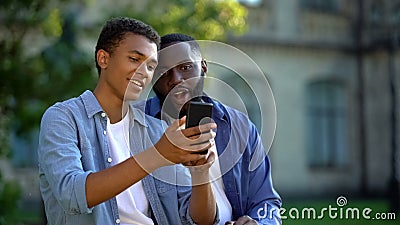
x=200, y=175
x=151, y=159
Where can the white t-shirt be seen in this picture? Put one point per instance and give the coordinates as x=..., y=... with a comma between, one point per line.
x=224, y=206
x=133, y=206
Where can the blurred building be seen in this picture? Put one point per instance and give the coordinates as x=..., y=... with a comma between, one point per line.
x=330, y=64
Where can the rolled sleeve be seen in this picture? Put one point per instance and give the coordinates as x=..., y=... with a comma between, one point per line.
x=80, y=194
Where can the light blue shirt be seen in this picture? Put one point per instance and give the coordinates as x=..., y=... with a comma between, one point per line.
x=73, y=144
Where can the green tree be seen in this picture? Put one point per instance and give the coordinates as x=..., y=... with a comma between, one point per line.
x=202, y=19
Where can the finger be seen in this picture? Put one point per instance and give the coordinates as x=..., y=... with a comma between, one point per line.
x=205, y=146
x=203, y=138
x=192, y=131
x=174, y=125
x=182, y=121
x=194, y=137
x=190, y=158
x=205, y=163
x=211, y=157
x=195, y=163
x=245, y=220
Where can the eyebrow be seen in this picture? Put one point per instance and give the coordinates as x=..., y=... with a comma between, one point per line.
x=143, y=55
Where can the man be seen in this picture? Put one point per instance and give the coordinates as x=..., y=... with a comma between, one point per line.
x=95, y=151
x=242, y=196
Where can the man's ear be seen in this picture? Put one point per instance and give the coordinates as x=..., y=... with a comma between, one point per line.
x=102, y=58
x=204, y=66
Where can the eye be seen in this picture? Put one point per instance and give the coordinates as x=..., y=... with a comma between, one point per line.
x=133, y=59
x=186, y=67
x=151, y=67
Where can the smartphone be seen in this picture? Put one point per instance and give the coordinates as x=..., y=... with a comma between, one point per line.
x=199, y=113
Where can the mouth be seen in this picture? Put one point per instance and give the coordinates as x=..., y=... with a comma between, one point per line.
x=180, y=95
x=136, y=82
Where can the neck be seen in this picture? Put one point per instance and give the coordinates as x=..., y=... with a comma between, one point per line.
x=115, y=107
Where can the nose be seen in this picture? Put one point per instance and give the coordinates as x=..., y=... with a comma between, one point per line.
x=174, y=77
x=143, y=71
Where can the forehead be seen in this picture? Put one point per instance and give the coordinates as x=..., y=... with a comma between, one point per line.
x=137, y=43
x=176, y=54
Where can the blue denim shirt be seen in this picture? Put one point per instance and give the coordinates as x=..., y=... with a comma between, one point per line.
x=244, y=164
x=73, y=144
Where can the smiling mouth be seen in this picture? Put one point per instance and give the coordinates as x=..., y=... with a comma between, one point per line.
x=136, y=82
x=180, y=92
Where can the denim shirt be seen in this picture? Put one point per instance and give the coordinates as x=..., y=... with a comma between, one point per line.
x=245, y=166
x=73, y=144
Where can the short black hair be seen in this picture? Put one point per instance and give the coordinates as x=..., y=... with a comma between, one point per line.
x=179, y=37
x=114, y=31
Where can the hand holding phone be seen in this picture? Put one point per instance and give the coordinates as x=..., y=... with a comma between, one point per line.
x=199, y=113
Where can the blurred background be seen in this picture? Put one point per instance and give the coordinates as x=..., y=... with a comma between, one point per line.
x=333, y=66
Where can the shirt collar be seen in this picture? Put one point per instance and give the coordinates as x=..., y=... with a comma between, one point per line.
x=92, y=107
x=138, y=115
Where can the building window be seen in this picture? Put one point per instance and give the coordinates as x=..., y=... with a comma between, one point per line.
x=395, y=14
x=376, y=12
x=326, y=124
x=331, y=6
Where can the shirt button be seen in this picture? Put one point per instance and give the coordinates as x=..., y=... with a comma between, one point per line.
x=118, y=221
x=104, y=132
x=103, y=114
x=109, y=159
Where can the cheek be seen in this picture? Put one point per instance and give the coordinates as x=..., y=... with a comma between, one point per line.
x=162, y=87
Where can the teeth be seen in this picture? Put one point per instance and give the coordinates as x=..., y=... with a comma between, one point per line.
x=179, y=92
x=136, y=82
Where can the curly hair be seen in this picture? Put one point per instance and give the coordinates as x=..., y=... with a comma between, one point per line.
x=114, y=31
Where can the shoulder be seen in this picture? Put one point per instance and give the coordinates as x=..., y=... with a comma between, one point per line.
x=60, y=109
x=68, y=111
x=233, y=115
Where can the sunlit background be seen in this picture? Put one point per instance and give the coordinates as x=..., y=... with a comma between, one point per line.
x=333, y=66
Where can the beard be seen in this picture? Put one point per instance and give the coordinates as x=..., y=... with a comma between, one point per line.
x=167, y=106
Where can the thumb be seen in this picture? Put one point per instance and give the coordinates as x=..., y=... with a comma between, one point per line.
x=177, y=123
x=182, y=121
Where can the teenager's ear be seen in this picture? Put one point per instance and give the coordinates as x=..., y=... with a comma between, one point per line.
x=102, y=58
x=204, y=65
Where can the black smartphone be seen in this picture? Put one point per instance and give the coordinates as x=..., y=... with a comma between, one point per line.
x=199, y=113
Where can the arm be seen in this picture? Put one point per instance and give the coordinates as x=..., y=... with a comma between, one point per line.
x=202, y=201
x=76, y=189
x=264, y=202
x=170, y=149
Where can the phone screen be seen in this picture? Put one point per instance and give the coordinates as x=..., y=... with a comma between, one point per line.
x=199, y=113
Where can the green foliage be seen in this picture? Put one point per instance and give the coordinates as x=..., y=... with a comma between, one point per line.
x=202, y=19
x=35, y=75
x=9, y=195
